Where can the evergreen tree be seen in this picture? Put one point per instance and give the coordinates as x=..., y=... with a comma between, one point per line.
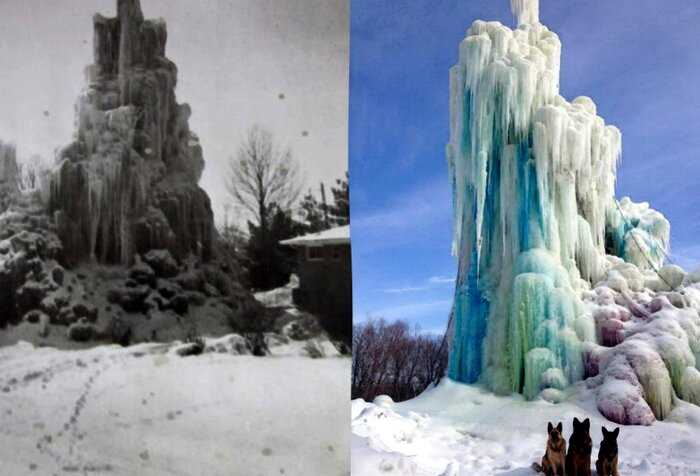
x=340, y=210
x=313, y=213
x=270, y=263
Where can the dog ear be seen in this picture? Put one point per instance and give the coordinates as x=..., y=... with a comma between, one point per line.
x=576, y=423
x=549, y=427
x=587, y=424
x=560, y=427
x=616, y=432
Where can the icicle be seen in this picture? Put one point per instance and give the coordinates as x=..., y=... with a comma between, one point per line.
x=526, y=11
x=537, y=362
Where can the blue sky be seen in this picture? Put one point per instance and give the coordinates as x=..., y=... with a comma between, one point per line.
x=637, y=59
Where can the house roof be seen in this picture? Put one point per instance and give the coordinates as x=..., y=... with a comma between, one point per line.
x=334, y=236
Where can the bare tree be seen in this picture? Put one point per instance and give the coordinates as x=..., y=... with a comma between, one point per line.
x=263, y=177
x=393, y=359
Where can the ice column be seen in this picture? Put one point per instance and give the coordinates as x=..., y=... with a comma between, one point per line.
x=533, y=178
x=526, y=11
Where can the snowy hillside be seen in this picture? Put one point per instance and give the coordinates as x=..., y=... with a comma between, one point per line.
x=144, y=410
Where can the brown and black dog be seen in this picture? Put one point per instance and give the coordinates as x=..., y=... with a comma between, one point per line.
x=607, y=456
x=554, y=459
x=578, y=458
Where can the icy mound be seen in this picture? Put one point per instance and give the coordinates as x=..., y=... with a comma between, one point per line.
x=638, y=234
x=533, y=178
x=648, y=351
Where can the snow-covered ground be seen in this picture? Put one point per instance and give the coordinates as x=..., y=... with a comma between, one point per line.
x=144, y=410
x=462, y=430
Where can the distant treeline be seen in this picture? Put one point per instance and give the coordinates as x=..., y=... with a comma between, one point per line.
x=394, y=359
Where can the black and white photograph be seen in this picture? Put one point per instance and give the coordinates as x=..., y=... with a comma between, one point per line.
x=175, y=266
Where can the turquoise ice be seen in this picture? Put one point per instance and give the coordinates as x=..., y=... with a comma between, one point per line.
x=533, y=183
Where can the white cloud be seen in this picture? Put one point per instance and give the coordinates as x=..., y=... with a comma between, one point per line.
x=441, y=280
x=416, y=208
x=430, y=283
x=414, y=311
x=406, y=289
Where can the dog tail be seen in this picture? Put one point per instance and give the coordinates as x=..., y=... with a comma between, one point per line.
x=537, y=468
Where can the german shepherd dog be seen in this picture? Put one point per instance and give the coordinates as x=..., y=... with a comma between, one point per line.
x=607, y=456
x=554, y=457
x=578, y=458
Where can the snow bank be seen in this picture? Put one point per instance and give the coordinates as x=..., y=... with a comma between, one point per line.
x=279, y=297
x=460, y=430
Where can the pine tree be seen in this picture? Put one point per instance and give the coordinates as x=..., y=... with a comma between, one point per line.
x=271, y=263
x=340, y=210
x=313, y=214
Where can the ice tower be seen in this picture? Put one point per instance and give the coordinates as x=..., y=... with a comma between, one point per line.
x=128, y=182
x=533, y=179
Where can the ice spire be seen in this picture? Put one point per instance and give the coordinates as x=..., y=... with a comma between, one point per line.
x=533, y=176
x=533, y=182
x=537, y=226
x=128, y=183
x=526, y=11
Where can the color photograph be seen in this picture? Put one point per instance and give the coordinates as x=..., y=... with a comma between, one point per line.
x=525, y=231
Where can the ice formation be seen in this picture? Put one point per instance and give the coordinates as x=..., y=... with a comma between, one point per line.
x=128, y=181
x=9, y=175
x=526, y=11
x=537, y=225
